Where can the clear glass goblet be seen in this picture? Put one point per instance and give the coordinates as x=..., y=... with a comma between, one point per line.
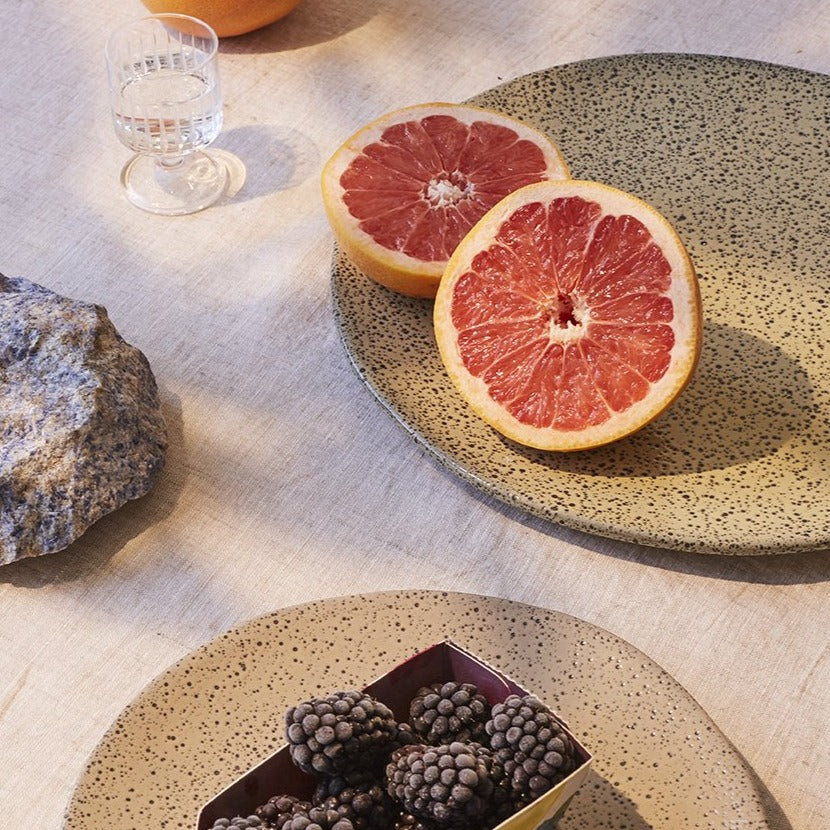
x=167, y=106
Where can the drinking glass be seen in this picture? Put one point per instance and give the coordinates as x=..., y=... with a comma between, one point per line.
x=166, y=107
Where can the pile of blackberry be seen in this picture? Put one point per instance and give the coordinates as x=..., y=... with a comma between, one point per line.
x=456, y=764
x=346, y=733
x=532, y=745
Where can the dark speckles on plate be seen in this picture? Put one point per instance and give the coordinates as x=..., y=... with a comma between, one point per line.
x=734, y=153
x=659, y=761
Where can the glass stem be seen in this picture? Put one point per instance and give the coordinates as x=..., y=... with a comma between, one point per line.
x=171, y=162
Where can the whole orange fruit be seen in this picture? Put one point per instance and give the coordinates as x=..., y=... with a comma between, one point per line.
x=227, y=17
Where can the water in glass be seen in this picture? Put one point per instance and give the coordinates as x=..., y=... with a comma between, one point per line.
x=166, y=108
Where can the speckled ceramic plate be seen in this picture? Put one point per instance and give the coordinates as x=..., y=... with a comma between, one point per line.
x=734, y=153
x=660, y=762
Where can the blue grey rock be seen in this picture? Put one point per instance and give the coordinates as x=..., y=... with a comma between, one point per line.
x=81, y=429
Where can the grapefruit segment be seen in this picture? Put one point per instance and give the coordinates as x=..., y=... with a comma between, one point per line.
x=569, y=316
x=402, y=192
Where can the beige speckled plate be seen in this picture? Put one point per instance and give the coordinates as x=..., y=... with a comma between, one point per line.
x=735, y=154
x=660, y=762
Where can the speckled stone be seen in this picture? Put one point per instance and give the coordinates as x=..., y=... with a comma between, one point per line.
x=659, y=760
x=82, y=431
x=734, y=154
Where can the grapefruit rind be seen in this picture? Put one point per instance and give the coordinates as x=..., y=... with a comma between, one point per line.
x=396, y=270
x=684, y=294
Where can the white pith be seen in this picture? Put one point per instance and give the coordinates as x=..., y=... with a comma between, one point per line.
x=443, y=192
x=573, y=329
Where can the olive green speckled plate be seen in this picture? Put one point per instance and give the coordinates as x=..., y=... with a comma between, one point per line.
x=660, y=762
x=735, y=154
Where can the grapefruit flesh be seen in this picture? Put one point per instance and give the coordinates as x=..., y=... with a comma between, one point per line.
x=569, y=316
x=401, y=193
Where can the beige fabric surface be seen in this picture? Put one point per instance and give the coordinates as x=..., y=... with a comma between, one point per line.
x=285, y=481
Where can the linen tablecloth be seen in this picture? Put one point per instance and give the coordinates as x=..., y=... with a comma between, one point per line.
x=285, y=481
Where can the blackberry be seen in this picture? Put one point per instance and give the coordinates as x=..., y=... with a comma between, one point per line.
x=334, y=784
x=407, y=821
x=405, y=735
x=320, y=818
x=367, y=806
x=532, y=746
x=280, y=809
x=347, y=731
x=451, y=785
x=238, y=823
x=446, y=712
x=308, y=817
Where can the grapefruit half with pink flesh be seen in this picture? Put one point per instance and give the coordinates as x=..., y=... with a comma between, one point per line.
x=402, y=192
x=569, y=316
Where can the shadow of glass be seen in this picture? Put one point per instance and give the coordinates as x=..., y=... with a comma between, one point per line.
x=271, y=158
x=747, y=398
x=89, y=553
x=311, y=23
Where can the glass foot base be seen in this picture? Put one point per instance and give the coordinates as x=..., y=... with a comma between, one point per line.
x=174, y=187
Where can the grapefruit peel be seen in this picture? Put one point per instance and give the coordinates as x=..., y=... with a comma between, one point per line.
x=574, y=328
x=399, y=271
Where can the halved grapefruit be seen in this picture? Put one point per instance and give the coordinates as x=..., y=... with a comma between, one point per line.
x=402, y=192
x=569, y=316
